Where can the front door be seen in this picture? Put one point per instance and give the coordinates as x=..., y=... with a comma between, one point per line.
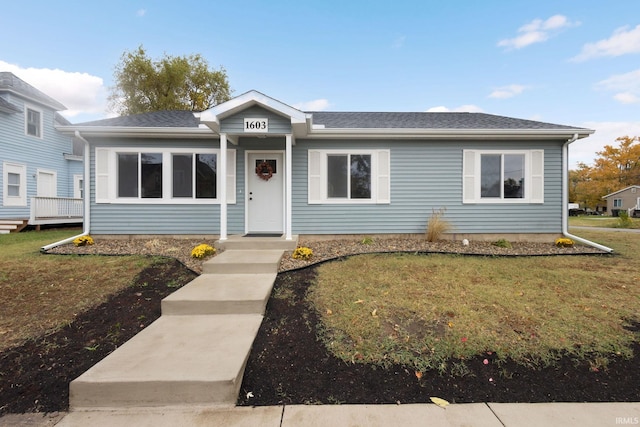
x=265, y=192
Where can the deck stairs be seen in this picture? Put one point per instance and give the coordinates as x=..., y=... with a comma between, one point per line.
x=12, y=225
x=196, y=352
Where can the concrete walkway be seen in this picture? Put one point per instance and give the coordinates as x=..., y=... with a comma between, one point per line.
x=423, y=415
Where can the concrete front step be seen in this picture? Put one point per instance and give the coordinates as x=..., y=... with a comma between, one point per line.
x=221, y=294
x=177, y=360
x=244, y=262
x=257, y=242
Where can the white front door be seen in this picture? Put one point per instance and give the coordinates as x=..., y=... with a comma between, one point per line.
x=265, y=192
x=46, y=184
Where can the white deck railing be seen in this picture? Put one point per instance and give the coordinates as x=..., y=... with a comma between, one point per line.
x=52, y=210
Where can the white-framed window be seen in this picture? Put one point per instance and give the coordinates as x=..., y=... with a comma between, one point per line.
x=33, y=121
x=78, y=186
x=14, y=177
x=617, y=203
x=503, y=176
x=174, y=176
x=349, y=176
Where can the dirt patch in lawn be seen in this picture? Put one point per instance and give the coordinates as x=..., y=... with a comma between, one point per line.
x=290, y=365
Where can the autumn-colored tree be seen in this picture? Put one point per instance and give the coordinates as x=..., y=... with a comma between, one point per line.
x=614, y=168
x=171, y=83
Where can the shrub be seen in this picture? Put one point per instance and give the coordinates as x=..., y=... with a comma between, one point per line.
x=83, y=241
x=623, y=220
x=367, y=241
x=436, y=225
x=502, y=243
x=564, y=242
x=202, y=251
x=302, y=253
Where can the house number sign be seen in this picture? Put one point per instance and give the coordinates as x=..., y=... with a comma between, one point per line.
x=252, y=124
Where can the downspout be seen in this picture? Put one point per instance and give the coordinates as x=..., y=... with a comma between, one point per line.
x=86, y=221
x=565, y=199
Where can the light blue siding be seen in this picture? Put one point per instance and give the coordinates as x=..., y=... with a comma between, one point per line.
x=427, y=175
x=235, y=124
x=46, y=153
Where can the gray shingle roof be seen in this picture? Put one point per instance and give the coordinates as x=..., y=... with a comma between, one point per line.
x=160, y=119
x=399, y=120
x=10, y=83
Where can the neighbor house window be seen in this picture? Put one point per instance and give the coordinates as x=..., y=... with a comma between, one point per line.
x=617, y=203
x=34, y=122
x=161, y=175
x=15, y=184
x=349, y=177
x=491, y=176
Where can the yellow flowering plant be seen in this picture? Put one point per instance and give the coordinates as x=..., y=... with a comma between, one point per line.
x=202, y=251
x=564, y=242
x=83, y=241
x=302, y=253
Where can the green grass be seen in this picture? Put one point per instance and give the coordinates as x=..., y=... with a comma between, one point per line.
x=435, y=311
x=600, y=221
x=41, y=293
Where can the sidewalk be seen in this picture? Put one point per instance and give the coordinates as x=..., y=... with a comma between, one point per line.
x=423, y=415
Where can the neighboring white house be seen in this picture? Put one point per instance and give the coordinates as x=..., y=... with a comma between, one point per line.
x=627, y=199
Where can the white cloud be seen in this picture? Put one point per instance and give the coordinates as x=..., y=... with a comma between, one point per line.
x=584, y=150
x=623, y=41
x=509, y=91
x=141, y=12
x=315, y=105
x=626, y=86
x=467, y=108
x=79, y=92
x=537, y=31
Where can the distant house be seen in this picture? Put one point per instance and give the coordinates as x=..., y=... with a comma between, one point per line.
x=41, y=170
x=254, y=165
x=627, y=199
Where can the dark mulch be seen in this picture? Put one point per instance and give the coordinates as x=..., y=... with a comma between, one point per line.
x=35, y=376
x=289, y=365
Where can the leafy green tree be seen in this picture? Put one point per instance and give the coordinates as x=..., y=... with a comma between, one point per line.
x=170, y=83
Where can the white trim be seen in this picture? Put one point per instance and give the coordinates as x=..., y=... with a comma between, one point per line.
x=78, y=186
x=106, y=176
x=28, y=107
x=289, y=142
x=317, y=177
x=533, y=177
x=20, y=170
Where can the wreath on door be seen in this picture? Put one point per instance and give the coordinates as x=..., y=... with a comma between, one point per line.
x=264, y=171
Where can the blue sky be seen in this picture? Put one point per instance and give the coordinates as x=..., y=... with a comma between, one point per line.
x=567, y=62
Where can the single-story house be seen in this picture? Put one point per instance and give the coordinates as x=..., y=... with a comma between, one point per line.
x=255, y=165
x=627, y=199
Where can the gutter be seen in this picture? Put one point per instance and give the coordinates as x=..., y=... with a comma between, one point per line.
x=87, y=199
x=565, y=200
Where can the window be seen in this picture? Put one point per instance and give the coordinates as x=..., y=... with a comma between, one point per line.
x=492, y=176
x=617, y=203
x=349, y=177
x=15, y=184
x=502, y=176
x=202, y=183
x=34, y=122
x=161, y=175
